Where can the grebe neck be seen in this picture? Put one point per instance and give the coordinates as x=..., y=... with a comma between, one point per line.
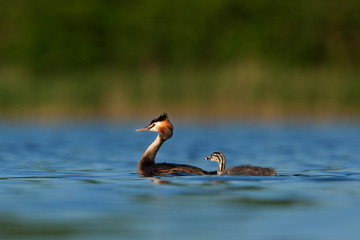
x=150, y=153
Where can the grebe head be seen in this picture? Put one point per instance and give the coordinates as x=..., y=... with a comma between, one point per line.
x=162, y=125
x=215, y=157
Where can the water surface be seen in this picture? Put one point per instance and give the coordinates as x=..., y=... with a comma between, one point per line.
x=79, y=181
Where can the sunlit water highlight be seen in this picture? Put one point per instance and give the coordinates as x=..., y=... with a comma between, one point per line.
x=78, y=181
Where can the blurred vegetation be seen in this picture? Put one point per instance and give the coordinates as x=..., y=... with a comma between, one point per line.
x=226, y=57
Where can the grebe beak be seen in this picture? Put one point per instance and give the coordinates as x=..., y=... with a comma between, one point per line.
x=147, y=128
x=207, y=158
x=144, y=129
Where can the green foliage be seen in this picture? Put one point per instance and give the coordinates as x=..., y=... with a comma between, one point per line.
x=48, y=36
x=237, y=56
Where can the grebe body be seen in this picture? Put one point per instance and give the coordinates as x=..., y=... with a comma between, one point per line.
x=147, y=166
x=238, y=170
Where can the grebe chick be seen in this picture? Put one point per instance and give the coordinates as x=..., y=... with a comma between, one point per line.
x=147, y=166
x=238, y=170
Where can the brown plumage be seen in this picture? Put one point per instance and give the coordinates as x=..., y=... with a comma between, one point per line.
x=147, y=166
x=238, y=170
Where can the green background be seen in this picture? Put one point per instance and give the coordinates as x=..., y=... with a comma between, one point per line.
x=223, y=58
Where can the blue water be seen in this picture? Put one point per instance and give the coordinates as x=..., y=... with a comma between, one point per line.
x=79, y=181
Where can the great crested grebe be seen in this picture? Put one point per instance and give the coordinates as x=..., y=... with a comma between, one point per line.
x=147, y=166
x=238, y=170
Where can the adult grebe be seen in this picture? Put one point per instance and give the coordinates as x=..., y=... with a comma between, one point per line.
x=147, y=166
x=238, y=170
